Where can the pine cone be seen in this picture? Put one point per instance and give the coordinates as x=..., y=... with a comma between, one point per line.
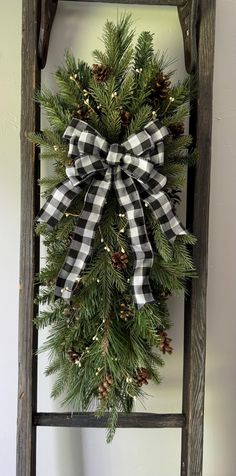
x=69, y=238
x=177, y=129
x=142, y=376
x=125, y=118
x=174, y=196
x=49, y=282
x=161, y=86
x=165, y=343
x=105, y=387
x=126, y=311
x=73, y=355
x=100, y=72
x=119, y=260
x=82, y=112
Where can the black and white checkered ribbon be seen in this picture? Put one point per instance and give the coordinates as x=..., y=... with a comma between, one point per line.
x=131, y=169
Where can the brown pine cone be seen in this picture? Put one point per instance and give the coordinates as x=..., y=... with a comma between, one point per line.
x=126, y=311
x=161, y=86
x=164, y=345
x=100, y=72
x=174, y=196
x=69, y=238
x=73, y=355
x=82, y=112
x=177, y=129
x=125, y=118
x=142, y=376
x=50, y=282
x=105, y=386
x=119, y=260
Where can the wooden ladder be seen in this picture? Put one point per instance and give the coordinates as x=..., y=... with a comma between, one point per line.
x=197, y=18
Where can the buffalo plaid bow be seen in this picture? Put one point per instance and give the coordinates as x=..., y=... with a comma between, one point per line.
x=131, y=168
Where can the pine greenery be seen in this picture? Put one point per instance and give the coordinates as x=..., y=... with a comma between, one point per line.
x=105, y=343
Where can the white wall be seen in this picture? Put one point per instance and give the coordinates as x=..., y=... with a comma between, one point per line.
x=220, y=420
x=10, y=37
x=64, y=452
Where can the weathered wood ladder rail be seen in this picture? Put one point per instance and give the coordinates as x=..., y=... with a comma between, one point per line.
x=197, y=18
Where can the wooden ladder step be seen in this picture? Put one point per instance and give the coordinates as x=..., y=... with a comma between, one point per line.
x=89, y=420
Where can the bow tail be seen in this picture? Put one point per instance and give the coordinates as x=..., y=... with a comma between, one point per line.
x=60, y=199
x=162, y=210
x=84, y=233
x=128, y=197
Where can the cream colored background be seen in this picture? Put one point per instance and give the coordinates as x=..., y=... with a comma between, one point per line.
x=64, y=452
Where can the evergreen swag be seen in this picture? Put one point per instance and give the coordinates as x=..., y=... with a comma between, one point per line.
x=102, y=348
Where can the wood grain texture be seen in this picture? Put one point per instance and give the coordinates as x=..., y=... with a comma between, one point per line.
x=195, y=315
x=27, y=379
x=173, y=3
x=48, y=12
x=89, y=420
x=188, y=16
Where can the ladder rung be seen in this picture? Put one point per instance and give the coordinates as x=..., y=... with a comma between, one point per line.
x=89, y=420
x=173, y=3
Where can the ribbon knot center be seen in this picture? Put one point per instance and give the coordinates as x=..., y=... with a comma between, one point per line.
x=114, y=155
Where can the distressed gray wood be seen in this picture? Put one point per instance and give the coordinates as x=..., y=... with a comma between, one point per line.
x=89, y=420
x=48, y=12
x=27, y=380
x=172, y=3
x=188, y=16
x=195, y=315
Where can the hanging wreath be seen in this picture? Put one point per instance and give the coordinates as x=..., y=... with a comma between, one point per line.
x=115, y=249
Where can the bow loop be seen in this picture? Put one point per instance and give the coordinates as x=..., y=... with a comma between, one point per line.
x=114, y=155
x=157, y=133
x=130, y=168
x=91, y=143
x=139, y=143
x=73, y=133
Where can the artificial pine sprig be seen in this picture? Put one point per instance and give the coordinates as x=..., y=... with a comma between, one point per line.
x=102, y=350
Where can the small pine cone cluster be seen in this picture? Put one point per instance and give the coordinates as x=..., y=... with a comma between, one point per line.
x=105, y=387
x=119, y=260
x=177, y=129
x=125, y=118
x=161, y=86
x=126, y=311
x=164, y=345
x=73, y=355
x=100, y=72
x=142, y=376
